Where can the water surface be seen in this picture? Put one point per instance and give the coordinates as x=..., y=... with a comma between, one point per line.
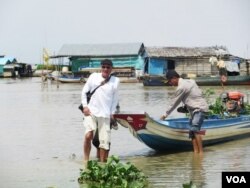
x=41, y=136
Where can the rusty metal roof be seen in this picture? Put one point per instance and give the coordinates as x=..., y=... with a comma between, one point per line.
x=100, y=50
x=185, y=51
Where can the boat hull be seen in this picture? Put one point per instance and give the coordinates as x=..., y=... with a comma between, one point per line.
x=172, y=134
x=201, y=81
x=71, y=80
x=215, y=81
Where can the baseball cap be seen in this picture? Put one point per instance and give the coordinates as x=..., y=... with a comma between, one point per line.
x=107, y=62
x=172, y=73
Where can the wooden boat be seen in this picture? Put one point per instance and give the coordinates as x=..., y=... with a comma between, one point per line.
x=65, y=79
x=215, y=81
x=172, y=134
x=155, y=80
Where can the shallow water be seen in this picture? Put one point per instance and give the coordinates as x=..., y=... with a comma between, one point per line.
x=41, y=137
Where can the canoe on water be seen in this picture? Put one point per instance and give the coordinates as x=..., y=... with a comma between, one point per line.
x=172, y=134
x=71, y=80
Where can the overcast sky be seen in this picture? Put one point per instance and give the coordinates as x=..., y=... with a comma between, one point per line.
x=29, y=25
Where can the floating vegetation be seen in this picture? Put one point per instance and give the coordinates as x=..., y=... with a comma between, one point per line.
x=219, y=106
x=189, y=185
x=112, y=174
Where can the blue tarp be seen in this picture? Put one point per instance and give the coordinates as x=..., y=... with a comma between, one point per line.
x=157, y=66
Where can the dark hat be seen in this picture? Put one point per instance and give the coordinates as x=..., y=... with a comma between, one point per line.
x=106, y=62
x=172, y=73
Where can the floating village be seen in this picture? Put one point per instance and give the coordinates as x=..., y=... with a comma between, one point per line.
x=227, y=120
x=136, y=63
x=133, y=62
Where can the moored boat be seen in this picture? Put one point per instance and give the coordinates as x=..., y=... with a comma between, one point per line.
x=156, y=80
x=215, y=81
x=172, y=134
x=64, y=79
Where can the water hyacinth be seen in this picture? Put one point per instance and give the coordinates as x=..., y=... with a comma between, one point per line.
x=112, y=174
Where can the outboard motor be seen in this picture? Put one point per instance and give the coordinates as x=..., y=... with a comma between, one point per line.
x=233, y=102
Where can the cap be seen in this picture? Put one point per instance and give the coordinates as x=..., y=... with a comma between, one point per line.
x=172, y=73
x=106, y=62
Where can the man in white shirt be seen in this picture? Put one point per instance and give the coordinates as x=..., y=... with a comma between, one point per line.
x=100, y=109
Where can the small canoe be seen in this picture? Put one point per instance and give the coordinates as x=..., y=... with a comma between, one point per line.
x=71, y=79
x=173, y=134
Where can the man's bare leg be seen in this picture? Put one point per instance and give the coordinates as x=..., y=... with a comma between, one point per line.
x=103, y=155
x=87, y=145
x=199, y=142
x=195, y=145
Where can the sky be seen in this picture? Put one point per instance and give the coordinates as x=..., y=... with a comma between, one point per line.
x=28, y=26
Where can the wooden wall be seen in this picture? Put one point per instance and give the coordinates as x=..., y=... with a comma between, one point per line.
x=244, y=68
x=195, y=67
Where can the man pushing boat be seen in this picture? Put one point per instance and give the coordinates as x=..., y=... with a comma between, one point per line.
x=189, y=93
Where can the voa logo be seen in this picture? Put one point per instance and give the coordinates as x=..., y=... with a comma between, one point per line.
x=236, y=179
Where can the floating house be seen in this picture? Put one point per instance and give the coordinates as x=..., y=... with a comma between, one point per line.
x=10, y=67
x=85, y=58
x=197, y=62
x=7, y=66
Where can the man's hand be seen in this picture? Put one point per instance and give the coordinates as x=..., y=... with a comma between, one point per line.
x=86, y=111
x=164, y=117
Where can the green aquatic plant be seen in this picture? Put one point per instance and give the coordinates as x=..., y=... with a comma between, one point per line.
x=217, y=107
x=246, y=108
x=207, y=95
x=189, y=185
x=112, y=174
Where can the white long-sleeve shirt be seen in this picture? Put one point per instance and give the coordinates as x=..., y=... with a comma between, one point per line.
x=105, y=99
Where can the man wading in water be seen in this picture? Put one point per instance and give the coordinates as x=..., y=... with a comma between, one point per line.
x=189, y=93
x=100, y=109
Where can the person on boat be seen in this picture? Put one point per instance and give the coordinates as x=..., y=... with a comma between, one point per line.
x=189, y=93
x=222, y=70
x=100, y=109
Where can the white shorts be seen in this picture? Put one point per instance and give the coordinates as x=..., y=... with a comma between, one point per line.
x=103, y=125
x=89, y=123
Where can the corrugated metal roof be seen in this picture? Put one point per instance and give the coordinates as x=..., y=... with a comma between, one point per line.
x=185, y=51
x=100, y=50
x=6, y=60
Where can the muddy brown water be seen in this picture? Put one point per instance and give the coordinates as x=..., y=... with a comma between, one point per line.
x=41, y=136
